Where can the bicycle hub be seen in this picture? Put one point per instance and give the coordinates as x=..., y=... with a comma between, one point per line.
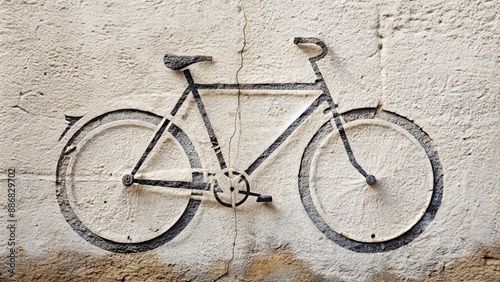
x=370, y=179
x=127, y=179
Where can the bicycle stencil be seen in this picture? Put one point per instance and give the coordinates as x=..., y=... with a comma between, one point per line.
x=360, y=167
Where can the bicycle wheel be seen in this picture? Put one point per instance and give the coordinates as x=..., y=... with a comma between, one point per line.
x=388, y=214
x=120, y=218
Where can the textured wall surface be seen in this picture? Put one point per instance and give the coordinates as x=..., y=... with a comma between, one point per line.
x=84, y=89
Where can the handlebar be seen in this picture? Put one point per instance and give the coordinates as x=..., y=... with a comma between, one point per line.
x=313, y=40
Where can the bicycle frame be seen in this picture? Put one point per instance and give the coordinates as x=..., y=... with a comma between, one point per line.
x=193, y=88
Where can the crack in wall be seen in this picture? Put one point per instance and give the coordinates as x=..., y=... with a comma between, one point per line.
x=380, y=46
x=22, y=109
x=237, y=117
x=23, y=105
x=28, y=112
x=226, y=272
x=237, y=127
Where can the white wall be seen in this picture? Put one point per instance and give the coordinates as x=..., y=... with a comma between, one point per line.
x=434, y=62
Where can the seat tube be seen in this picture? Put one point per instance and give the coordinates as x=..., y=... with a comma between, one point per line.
x=206, y=120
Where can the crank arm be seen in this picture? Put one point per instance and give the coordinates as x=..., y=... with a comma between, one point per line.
x=260, y=198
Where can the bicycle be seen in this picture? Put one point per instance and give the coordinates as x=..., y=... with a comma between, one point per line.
x=410, y=165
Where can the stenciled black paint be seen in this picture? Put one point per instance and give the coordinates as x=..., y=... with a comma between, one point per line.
x=199, y=184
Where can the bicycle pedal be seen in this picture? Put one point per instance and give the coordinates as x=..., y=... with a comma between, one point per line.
x=264, y=199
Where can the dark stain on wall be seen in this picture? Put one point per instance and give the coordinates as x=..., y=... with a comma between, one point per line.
x=271, y=265
x=79, y=266
x=484, y=265
x=281, y=265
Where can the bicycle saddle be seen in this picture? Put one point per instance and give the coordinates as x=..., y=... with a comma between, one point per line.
x=179, y=62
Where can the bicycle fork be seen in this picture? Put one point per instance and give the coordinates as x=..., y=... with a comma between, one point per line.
x=370, y=179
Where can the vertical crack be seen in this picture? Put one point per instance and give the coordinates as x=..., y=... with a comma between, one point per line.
x=237, y=117
x=226, y=272
x=237, y=125
x=380, y=46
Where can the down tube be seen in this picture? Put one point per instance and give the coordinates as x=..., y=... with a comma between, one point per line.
x=288, y=131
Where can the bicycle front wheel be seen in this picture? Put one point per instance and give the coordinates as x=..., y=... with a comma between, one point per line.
x=379, y=217
x=105, y=212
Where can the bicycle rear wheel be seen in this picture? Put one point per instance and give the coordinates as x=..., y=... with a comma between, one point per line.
x=383, y=216
x=120, y=218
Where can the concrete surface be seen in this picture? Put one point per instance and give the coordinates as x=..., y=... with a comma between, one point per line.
x=435, y=63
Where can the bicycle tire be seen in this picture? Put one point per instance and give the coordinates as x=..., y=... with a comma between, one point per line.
x=306, y=181
x=112, y=121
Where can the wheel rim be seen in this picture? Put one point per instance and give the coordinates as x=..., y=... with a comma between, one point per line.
x=362, y=245
x=95, y=237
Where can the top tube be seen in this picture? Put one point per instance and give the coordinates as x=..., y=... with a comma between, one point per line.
x=318, y=85
x=261, y=86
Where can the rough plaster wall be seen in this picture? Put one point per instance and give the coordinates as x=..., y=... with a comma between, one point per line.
x=434, y=62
